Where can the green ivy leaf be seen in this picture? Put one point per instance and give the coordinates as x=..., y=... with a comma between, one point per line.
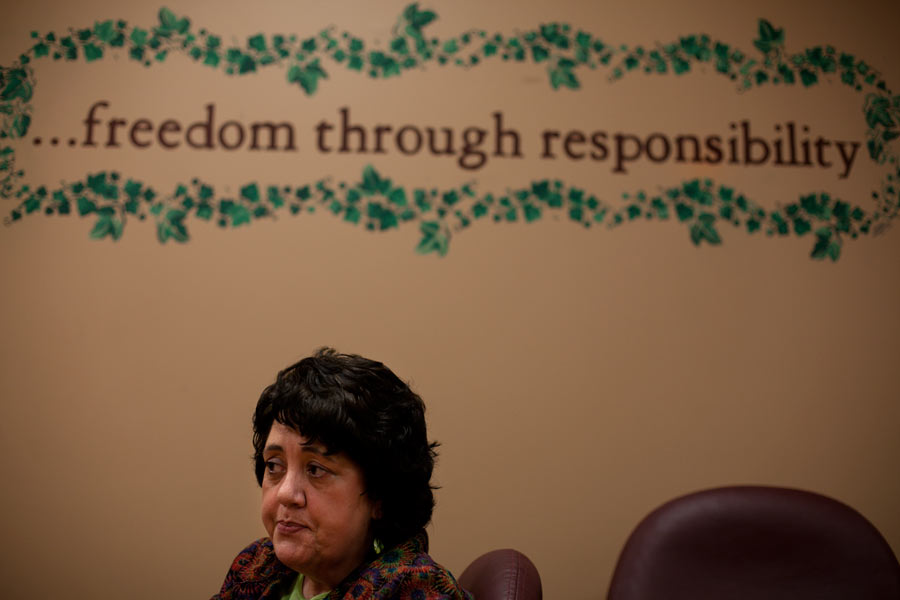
x=257, y=42
x=372, y=182
x=92, y=52
x=204, y=211
x=250, y=192
x=434, y=239
x=239, y=215
x=769, y=37
x=417, y=19
x=562, y=75
x=352, y=214
x=684, y=211
x=876, y=150
x=169, y=23
x=246, y=64
x=823, y=239
x=879, y=115
x=308, y=76
x=139, y=37
x=807, y=77
x=163, y=231
x=275, y=198
x=533, y=213
x=309, y=45
x=399, y=46
x=17, y=87
x=108, y=224
x=132, y=188
x=703, y=229
x=102, y=227
x=85, y=206
x=397, y=196
x=105, y=31
x=801, y=226
x=167, y=19
x=539, y=53
x=212, y=58
x=117, y=226
x=780, y=224
x=32, y=204
x=385, y=217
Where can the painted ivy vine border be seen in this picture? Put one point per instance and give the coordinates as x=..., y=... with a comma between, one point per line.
x=379, y=204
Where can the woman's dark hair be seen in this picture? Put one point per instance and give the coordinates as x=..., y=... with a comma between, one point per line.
x=359, y=407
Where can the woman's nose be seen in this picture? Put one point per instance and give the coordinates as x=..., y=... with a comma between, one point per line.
x=292, y=490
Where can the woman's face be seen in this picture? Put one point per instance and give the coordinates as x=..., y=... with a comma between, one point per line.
x=314, y=507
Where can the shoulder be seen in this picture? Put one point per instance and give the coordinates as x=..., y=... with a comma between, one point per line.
x=430, y=581
x=255, y=567
x=255, y=561
x=406, y=572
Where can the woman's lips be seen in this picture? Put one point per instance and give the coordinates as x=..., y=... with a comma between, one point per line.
x=288, y=527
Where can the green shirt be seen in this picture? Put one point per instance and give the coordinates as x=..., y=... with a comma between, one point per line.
x=296, y=592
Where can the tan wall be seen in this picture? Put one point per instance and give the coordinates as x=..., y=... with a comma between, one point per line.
x=576, y=378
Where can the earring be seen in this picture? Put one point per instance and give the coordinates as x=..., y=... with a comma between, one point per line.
x=378, y=546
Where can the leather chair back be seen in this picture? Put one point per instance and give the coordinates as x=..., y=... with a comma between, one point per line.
x=754, y=542
x=502, y=575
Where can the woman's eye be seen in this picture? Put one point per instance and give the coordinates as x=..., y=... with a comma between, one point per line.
x=315, y=470
x=273, y=467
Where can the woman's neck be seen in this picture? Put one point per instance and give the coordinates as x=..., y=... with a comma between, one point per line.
x=312, y=588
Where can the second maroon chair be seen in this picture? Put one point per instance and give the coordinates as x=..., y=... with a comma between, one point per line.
x=755, y=543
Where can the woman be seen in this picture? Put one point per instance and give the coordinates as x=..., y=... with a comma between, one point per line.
x=344, y=462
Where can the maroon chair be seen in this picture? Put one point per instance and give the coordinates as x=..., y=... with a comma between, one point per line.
x=755, y=543
x=502, y=575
